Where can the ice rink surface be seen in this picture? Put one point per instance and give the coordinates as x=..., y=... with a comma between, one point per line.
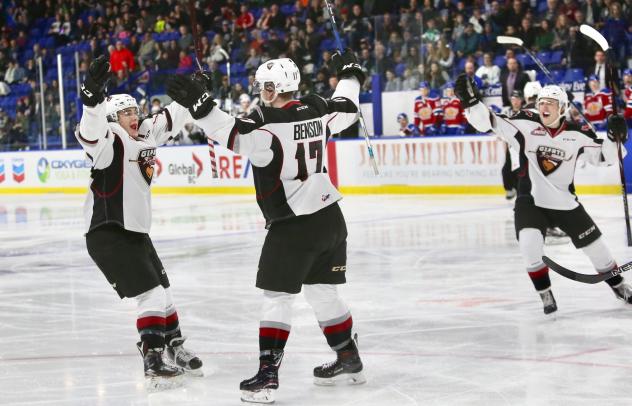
x=442, y=304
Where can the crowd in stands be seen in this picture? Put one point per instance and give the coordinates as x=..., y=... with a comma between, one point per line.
x=404, y=42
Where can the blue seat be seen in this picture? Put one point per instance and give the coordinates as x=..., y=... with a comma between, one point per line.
x=399, y=69
x=500, y=61
x=544, y=57
x=574, y=75
x=287, y=9
x=556, y=57
x=526, y=61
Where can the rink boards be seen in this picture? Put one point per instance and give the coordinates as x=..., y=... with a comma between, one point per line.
x=456, y=164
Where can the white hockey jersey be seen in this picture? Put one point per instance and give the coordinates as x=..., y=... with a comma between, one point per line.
x=547, y=159
x=287, y=148
x=123, y=167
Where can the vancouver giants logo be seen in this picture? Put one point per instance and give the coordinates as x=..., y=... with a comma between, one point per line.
x=146, y=159
x=1, y=170
x=549, y=158
x=18, y=169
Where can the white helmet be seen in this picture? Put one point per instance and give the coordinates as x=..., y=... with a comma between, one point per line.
x=244, y=98
x=556, y=93
x=282, y=74
x=532, y=89
x=118, y=102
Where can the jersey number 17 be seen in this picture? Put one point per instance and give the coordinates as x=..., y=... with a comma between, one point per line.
x=315, y=152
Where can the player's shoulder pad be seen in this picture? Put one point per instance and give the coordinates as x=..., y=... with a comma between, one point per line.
x=315, y=101
x=605, y=90
x=584, y=129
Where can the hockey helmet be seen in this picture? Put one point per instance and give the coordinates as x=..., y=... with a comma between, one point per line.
x=424, y=84
x=627, y=72
x=593, y=77
x=532, y=89
x=118, y=102
x=402, y=116
x=281, y=75
x=244, y=98
x=555, y=93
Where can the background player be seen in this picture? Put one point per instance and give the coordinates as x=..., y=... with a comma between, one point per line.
x=408, y=129
x=597, y=104
x=549, y=148
x=427, y=111
x=306, y=242
x=118, y=217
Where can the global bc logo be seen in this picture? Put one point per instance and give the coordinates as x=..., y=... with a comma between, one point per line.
x=190, y=171
x=43, y=170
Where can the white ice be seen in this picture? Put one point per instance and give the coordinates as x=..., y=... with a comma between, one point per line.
x=442, y=304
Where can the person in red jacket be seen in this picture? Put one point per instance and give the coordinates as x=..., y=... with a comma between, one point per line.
x=245, y=20
x=597, y=104
x=122, y=58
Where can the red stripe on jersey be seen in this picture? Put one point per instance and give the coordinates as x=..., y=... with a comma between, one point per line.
x=337, y=328
x=290, y=104
x=85, y=140
x=145, y=322
x=540, y=273
x=275, y=333
x=172, y=318
x=332, y=164
x=169, y=122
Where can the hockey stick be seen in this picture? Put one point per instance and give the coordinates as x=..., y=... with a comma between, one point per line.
x=583, y=278
x=361, y=117
x=592, y=33
x=198, y=56
x=502, y=39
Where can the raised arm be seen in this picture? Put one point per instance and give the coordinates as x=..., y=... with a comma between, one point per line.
x=93, y=132
x=604, y=152
x=344, y=105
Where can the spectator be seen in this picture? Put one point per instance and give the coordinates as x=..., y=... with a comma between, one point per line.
x=274, y=46
x=14, y=73
x=497, y=17
x=477, y=20
x=616, y=29
x=544, y=39
x=512, y=79
x=236, y=91
x=578, y=51
x=446, y=55
x=164, y=63
x=436, y=77
x=409, y=81
x=218, y=54
x=122, y=58
x=561, y=33
x=568, y=8
x=431, y=34
x=185, y=63
x=246, y=20
x=413, y=59
x=148, y=50
x=320, y=84
x=551, y=12
x=527, y=33
x=489, y=73
x=253, y=61
x=393, y=83
x=515, y=14
x=333, y=83
x=468, y=43
x=359, y=26
x=186, y=39
x=488, y=39
x=459, y=27
x=603, y=71
x=273, y=20
x=245, y=108
x=590, y=9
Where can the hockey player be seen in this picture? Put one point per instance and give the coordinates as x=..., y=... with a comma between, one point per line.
x=407, y=129
x=627, y=95
x=549, y=148
x=427, y=111
x=453, y=123
x=117, y=210
x=597, y=104
x=305, y=247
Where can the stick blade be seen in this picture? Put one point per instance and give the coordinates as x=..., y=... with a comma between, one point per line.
x=589, y=31
x=503, y=39
x=579, y=277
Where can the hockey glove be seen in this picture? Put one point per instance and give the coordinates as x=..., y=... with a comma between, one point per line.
x=617, y=129
x=346, y=64
x=204, y=78
x=190, y=94
x=93, y=88
x=466, y=90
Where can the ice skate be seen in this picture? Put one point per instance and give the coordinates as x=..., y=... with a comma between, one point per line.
x=555, y=236
x=159, y=375
x=184, y=358
x=548, y=301
x=347, y=367
x=623, y=291
x=261, y=387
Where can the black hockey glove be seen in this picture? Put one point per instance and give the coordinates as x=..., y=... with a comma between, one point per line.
x=466, y=90
x=190, y=94
x=93, y=88
x=617, y=129
x=204, y=78
x=346, y=64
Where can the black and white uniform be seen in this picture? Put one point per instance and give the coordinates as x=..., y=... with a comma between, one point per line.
x=287, y=149
x=117, y=208
x=546, y=192
x=305, y=248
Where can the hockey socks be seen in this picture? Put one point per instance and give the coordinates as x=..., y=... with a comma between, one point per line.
x=540, y=278
x=337, y=331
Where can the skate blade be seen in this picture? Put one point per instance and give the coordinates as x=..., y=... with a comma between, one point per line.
x=350, y=379
x=261, y=396
x=160, y=383
x=198, y=373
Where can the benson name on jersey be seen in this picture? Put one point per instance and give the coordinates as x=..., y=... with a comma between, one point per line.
x=310, y=129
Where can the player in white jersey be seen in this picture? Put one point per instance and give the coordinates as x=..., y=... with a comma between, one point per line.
x=549, y=148
x=305, y=247
x=117, y=209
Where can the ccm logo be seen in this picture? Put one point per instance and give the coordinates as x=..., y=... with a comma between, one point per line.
x=585, y=233
x=339, y=268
